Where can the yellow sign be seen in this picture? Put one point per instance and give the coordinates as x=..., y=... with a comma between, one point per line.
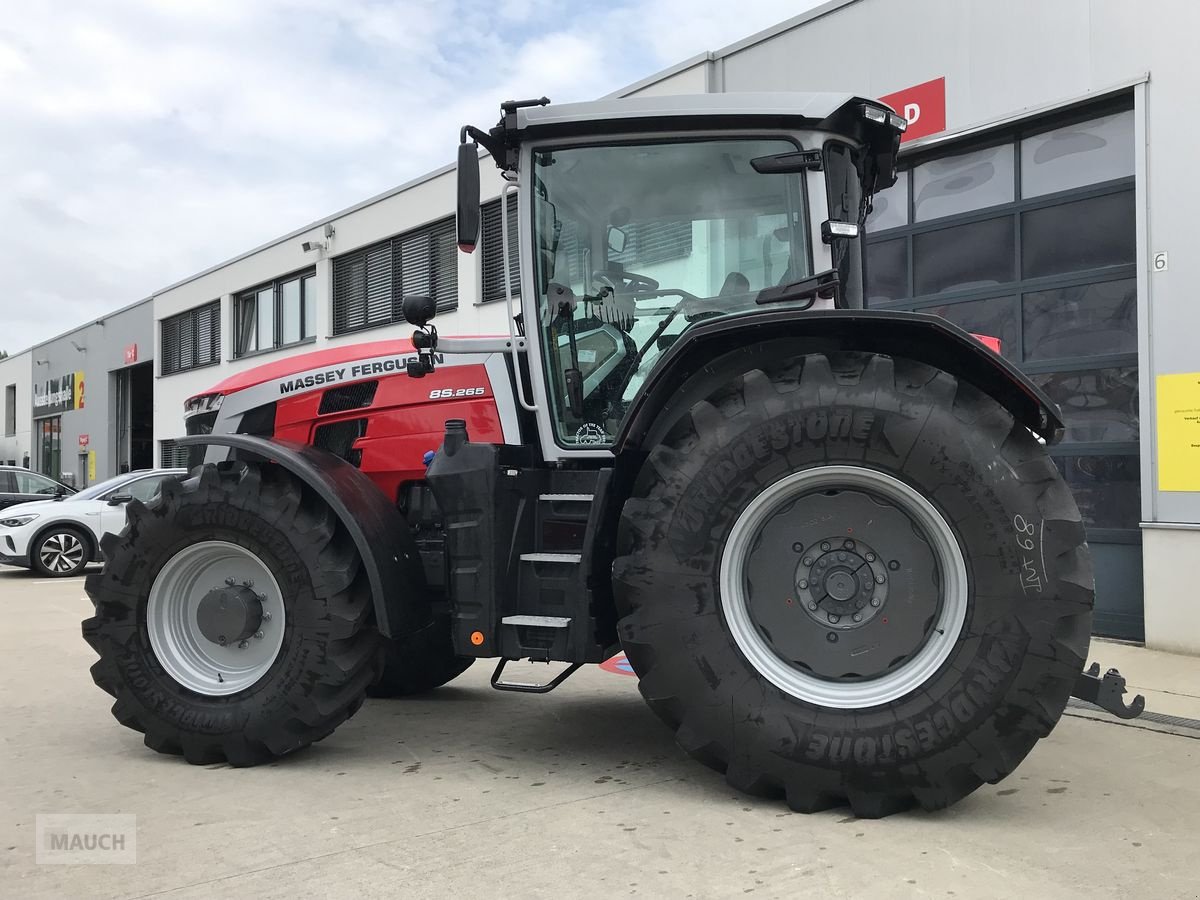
x=79, y=397
x=91, y=467
x=1179, y=432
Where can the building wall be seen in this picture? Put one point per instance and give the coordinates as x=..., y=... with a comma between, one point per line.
x=406, y=208
x=104, y=344
x=16, y=371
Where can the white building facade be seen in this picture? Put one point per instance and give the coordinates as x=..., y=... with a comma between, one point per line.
x=16, y=403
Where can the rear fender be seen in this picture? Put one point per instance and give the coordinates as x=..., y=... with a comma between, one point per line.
x=381, y=535
x=917, y=336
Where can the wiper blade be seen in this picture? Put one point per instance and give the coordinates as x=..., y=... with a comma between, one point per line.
x=823, y=284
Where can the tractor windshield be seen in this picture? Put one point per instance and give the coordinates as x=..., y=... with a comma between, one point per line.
x=634, y=244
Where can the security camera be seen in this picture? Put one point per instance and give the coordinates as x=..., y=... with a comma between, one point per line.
x=309, y=246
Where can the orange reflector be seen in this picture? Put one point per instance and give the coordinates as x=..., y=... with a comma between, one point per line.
x=476, y=638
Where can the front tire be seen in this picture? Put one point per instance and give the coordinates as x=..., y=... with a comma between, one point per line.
x=853, y=579
x=60, y=552
x=233, y=618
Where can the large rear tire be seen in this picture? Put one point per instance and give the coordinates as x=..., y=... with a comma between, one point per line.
x=233, y=618
x=420, y=662
x=853, y=579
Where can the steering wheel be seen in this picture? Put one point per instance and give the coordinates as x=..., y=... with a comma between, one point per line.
x=631, y=282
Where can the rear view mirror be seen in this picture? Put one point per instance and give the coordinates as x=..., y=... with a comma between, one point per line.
x=119, y=498
x=468, y=196
x=616, y=239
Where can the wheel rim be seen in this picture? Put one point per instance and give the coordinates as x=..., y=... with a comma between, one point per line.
x=185, y=636
x=832, y=598
x=61, y=552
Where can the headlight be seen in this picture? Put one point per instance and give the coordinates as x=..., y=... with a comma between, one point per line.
x=18, y=521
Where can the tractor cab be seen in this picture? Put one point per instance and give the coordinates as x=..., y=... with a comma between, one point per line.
x=638, y=219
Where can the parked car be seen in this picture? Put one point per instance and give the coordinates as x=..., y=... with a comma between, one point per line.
x=59, y=537
x=19, y=485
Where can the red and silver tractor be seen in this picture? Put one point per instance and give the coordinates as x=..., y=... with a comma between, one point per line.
x=829, y=539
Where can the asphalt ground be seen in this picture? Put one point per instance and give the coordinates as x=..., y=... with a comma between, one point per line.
x=579, y=793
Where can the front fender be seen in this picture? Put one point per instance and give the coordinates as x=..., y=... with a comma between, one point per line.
x=379, y=532
x=917, y=336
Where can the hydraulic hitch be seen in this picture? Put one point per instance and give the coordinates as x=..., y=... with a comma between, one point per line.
x=1107, y=692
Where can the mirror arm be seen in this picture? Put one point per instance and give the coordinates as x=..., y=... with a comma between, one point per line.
x=485, y=140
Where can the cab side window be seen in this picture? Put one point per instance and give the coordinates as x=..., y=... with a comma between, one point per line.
x=144, y=488
x=32, y=483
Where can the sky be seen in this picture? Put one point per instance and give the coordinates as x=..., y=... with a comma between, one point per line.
x=142, y=141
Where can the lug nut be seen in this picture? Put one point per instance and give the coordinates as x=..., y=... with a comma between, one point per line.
x=812, y=606
x=841, y=557
x=221, y=640
x=859, y=604
x=875, y=601
x=807, y=560
x=258, y=635
x=870, y=557
x=242, y=645
x=266, y=616
x=826, y=546
x=880, y=578
x=848, y=544
x=229, y=582
x=803, y=585
x=857, y=617
x=833, y=620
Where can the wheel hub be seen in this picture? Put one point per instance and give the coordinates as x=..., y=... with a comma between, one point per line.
x=229, y=614
x=840, y=581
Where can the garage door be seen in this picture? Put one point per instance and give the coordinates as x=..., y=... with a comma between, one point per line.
x=1028, y=235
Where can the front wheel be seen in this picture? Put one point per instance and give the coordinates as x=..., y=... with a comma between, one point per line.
x=853, y=579
x=60, y=552
x=232, y=618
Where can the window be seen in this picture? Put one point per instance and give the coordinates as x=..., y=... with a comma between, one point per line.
x=276, y=314
x=10, y=410
x=191, y=339
x=172, y=456
x=1077, y=155
x=32, y=483
x=963, y=182
x=492, y=238
x=144, y=489
x=369, y=284
x=650, y=239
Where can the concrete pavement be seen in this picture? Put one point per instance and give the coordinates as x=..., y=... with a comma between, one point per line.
x=579, y=793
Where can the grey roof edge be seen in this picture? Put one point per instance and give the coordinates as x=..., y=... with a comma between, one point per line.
x=88, y=324
x=291, y=235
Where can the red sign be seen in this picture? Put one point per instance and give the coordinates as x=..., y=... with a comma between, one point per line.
x=84, y=442
x=923, y=105
x=131, y=354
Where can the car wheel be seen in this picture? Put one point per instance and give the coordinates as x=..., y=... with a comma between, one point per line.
x=60, y=552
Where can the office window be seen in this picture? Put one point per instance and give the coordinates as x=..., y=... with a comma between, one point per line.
x=369, y=284
x=172, y=456
x=277, y=314
x=10, y=410
x=191, y=339
x=492, y=238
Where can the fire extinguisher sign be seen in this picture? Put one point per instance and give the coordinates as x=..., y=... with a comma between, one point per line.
x=923, y=105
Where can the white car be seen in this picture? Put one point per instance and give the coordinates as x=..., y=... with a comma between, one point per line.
x=59, y=537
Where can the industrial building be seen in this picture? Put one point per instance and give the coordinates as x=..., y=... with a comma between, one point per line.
x=1046, y=169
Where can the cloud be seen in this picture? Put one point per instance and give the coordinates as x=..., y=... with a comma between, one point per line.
x=148, y=139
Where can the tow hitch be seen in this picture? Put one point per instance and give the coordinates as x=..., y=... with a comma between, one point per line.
x=1107, y=692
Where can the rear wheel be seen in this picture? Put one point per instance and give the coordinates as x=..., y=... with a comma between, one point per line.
x=233, y=618
x=849, y=578
x=60, y=552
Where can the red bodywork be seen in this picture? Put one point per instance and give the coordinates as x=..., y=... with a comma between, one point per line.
x=404, y=420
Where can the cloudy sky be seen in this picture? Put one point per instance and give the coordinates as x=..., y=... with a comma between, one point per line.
x=144, y=140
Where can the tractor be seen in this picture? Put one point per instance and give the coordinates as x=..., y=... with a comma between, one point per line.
x=830, y=540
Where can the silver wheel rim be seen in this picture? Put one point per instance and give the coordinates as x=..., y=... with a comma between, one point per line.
x=189, y=657
x=844, y=695
x=61, y=552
